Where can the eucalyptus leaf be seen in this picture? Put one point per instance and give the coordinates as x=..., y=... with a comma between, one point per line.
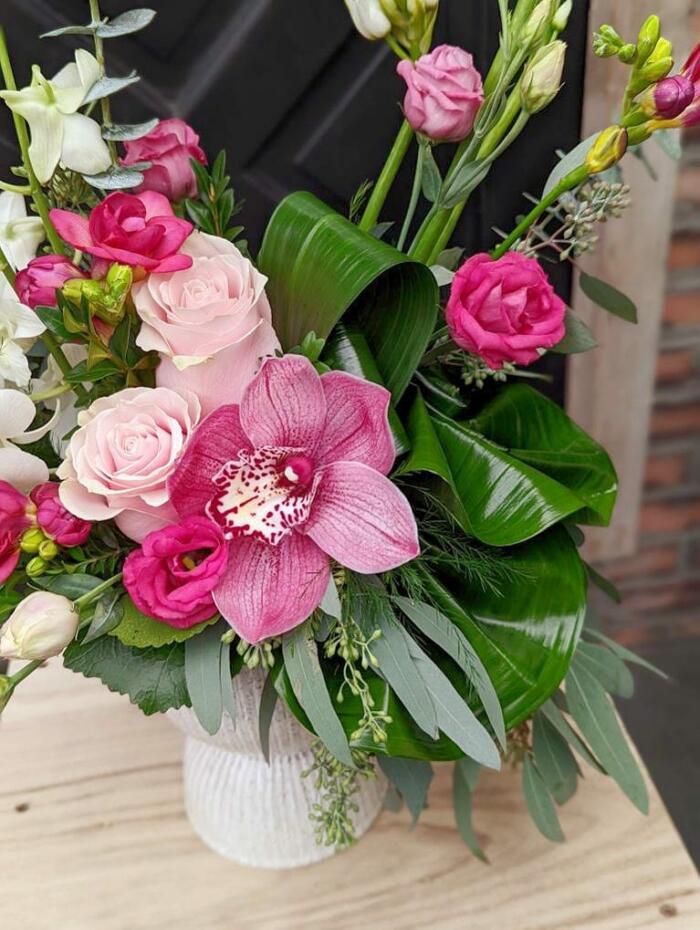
x=125, y=23
x=465, y=776
x=625, y=654
x=603, y=584
x=88, y=30
x=107, y=86
x=126, y=132
x=575, y=158
x=411, y=778
x=578, y=337
x=608, y=297
x=228, y=698
x=203, y=676
x=596, y=718
x=108, y=615
x=540, y=804
x=117, y=177
x=268, y=702
x=450, y=258
x=431, y=180
x=554, y=759
x=71, y=586
x=330, y=604
x=302, y=665
x=606, y=667
x=443, y=277
x=555, y=716
x=669, y=141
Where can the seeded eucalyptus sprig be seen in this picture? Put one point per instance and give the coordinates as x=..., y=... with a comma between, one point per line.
x=216, y=204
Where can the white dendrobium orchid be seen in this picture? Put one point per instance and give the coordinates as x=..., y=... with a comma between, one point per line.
x=21, y=469
x=20, y=235
x=369, y=18
x=65, y=418
x=58, y=131
x=19, y=327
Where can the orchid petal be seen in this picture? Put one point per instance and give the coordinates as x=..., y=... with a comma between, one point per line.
x=34, y=435
x=20, y=239
x=12, y=207
x=285, y=406
x=268, y=590
x=14, y=366
x=16, y=413
x=46, y=127
x=21, y=469
x=357, y=424
x=362, y=520
x=84, y=149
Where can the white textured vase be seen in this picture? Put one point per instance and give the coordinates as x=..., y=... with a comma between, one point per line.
x=246, y=809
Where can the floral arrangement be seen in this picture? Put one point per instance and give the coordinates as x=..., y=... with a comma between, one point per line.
x=326, y=464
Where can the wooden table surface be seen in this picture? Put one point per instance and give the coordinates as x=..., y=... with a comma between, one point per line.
x=93, y=837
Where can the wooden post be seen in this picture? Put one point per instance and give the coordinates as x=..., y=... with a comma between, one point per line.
x=610, y=390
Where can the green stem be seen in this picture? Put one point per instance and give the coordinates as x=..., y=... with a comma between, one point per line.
x=23, y=189
x=415, y=194
x=25, y=672
x=6, y=268
x=396, y=48
x=387, y=177
x=572, y=180
x=105, y=105
x=97, y=592
x=65, y=366
x=40, y=201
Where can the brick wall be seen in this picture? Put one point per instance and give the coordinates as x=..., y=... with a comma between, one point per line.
x=661, y=584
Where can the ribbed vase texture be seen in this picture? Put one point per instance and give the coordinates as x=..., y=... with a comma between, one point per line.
x=250, y=811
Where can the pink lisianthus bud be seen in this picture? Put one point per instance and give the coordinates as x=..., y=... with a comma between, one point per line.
x=15, y=518
x=41, y=626
x=504, y=310
x=58, y=524
x=169, y=148
x=668, y=98
x=172, y=576
x=37, y=283
x=444, y=94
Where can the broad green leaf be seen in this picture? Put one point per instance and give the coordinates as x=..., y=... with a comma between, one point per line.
x=445, y=634
x=136, y=629
x=608, y=297
x=228, y=697
x=465, y=776
x=320, y=266
x=72, y=586
x=554, y=760
x=203, y=677
x=268, y=702
x=595, y=716
x=578, y=337
x=126, y=132
x=152, y=678
x=625, y=654
x=536, y=431
x=540, y=804
x=606, y=667
x=564, y=728
x=107, y=616
x=411, y=778
x=303, y=668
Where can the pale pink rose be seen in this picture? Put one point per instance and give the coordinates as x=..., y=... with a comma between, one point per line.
x=444, y=93
x=505, y=310
x=169, y=148
x=211, y=323
x=118, y=462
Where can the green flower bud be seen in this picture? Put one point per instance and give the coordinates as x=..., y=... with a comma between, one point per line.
x=412, y=22
x=106, y=298
x=649, y=35
x=48, y=550
x=541, y=80
x=606, y=42
x=659, y=64
x=627, y=54
x=538, y=26
x=35, y=567
x=607, y=150
x=561, y=17
x=31, y=540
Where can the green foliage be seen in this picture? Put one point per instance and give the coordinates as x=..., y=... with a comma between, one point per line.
x=554, y=759
x=411, y=778
x=337, y=785
x=215, y=205
x=464, y=780
x=268, y=702
x=608, y=297
x=203, y=674
x=578, y=337
x=540, y=803
x=136, y=629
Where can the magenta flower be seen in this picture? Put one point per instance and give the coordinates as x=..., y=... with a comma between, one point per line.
x=15, y=518
x=36, y=285
x=140, y=230
x=172, y=576
x=57, y=522
x=169, y=148
x=295, y=476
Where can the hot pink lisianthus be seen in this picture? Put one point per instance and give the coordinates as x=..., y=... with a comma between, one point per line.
x=172, y=576
x=295, y=476
x=36, y=285
x=58, y=523
x=444, y=94
x=169, y=148
x=210, y=323
x=15, y=518
x=505, y=310
x=119, y=460
x=140, y=230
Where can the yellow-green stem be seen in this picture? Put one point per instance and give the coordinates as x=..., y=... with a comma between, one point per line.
x=6, y=268
x=64, y=365
x=105, y=106
x=386, y=178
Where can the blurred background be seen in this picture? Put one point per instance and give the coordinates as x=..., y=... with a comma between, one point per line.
x=299, y=101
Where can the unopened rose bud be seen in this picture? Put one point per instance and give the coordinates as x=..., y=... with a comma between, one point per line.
x=668, y=98
x=649, y=35
x=35, y=567
x=31, y=540
x=538, y=26
x=607, y=150
x=369, y=18
x=41, y=626
x=561, y=17
x=541, y=80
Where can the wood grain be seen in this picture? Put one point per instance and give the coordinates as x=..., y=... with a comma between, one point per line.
x=609, y=390
x=94, y=838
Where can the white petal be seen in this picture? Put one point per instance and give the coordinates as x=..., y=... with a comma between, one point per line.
x=14, y=366
x=12, y=207
x=46, y=126
x=89, y=69
x=34, y=435
x=21, y=469
x=68, y=89
x=84, y=149
x=20, y=239
x=19, y=320
x=16, y=413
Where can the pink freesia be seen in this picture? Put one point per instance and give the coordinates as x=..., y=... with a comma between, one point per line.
x=36, y=285
x=504, y=310
x=169, y=148
x=15, y=518
x=444, y=93
x=172, y=576
x=58, y=523
x=295, y=476
x=140, y=230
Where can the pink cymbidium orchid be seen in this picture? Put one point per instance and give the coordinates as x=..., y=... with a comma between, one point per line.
x=295, y=476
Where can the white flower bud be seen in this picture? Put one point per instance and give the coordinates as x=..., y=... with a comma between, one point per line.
x=41, y=626
x=541, y=80
x=369, y=18
x=561, y=17
x=537, y=27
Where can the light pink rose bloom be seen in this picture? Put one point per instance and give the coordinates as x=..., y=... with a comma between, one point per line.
x=36, y=285
x=295, y=477
x=119, y=460
x=140, y=230
x=171, y=578
x=505, y=310
x=169, y=148
x=444, y=93
x=211, y=323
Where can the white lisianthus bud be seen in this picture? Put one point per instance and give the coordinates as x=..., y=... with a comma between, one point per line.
x=561, y=17
x=41, y=626
x=369, y=18
x=541, y=80
x=538, y=26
